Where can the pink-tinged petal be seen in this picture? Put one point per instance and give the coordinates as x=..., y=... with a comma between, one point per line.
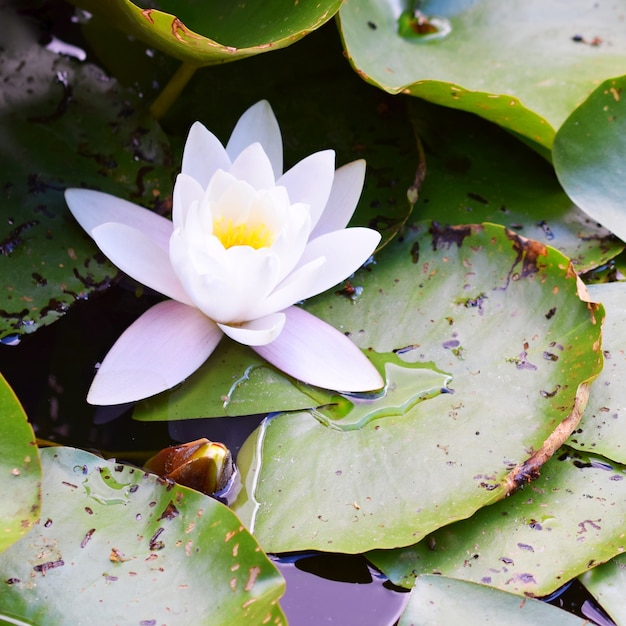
x=344, y=196
x=94, y=208
x=258, y=124
x=139, y=257
x=310, y=182
x=318, y=354
x=253, y=166
x=258, y=332
x=326, y=261
x=166, y=344
x=203, y=154
x=187, y=191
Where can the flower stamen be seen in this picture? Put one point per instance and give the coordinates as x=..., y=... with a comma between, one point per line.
x=254, y=235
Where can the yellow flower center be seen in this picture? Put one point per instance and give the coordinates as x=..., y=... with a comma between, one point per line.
x=254, y=235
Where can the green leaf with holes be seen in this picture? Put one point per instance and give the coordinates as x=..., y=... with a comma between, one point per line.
x=20, y=470
x=62, y=125
x=499, y=319
x=141, y=550
x=590, y=155
x=443, y=600
x=524, y=66
x=214, y=32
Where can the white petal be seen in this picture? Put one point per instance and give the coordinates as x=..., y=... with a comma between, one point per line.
x=203, y=154
x=344, y=196
x=166, y=344
x=316, y=353
x=258, y=332
x=342, y=252
x=187, y=190
x=94, y=208
x=310, y=182
x=253, y=166
x=258, y=123
x=139, y=257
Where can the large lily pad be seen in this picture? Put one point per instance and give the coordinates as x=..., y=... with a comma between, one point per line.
x=570, y=520
x=590, y=155
x=500, y=317
x=19, y=468
x=62, y=124
x=442, y=600
x=122, y=546
x=476, y=172
x=520, y=65
x=603, y=427
x=214, y=32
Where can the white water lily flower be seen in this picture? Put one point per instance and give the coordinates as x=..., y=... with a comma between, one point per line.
x=246, y=242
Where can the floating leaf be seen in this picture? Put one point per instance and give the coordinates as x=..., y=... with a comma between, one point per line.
x=590, y=155
x=62, y=124
x=500, y=317
x=442, y=600
x=141, y=550
x=516, y=64
x=208, y=33
x=603, y=427
x=19, y=468
x=607, y=583
x=565, y=523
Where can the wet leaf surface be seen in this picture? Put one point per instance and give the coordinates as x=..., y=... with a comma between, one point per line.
x=519, y=65
x=442, y=600
x=140, y=549
x=63, y=124
x=565, y=523
x=513, y=371
x=590, y=155
x=213, y=32
x=20, y=470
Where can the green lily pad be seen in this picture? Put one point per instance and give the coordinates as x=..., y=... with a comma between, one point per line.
x=19, y=468
x=442, y=600
x=62, y=125
x=141, y=550
x=234, y=381
x=590, y=155
x=607, y=583
x=209, y=33
x=521, y=66
x=500, y=317
x=602, y=429
x=565, y=523
x=476, y=172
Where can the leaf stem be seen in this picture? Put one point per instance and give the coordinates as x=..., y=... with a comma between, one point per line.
x=172, y=90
